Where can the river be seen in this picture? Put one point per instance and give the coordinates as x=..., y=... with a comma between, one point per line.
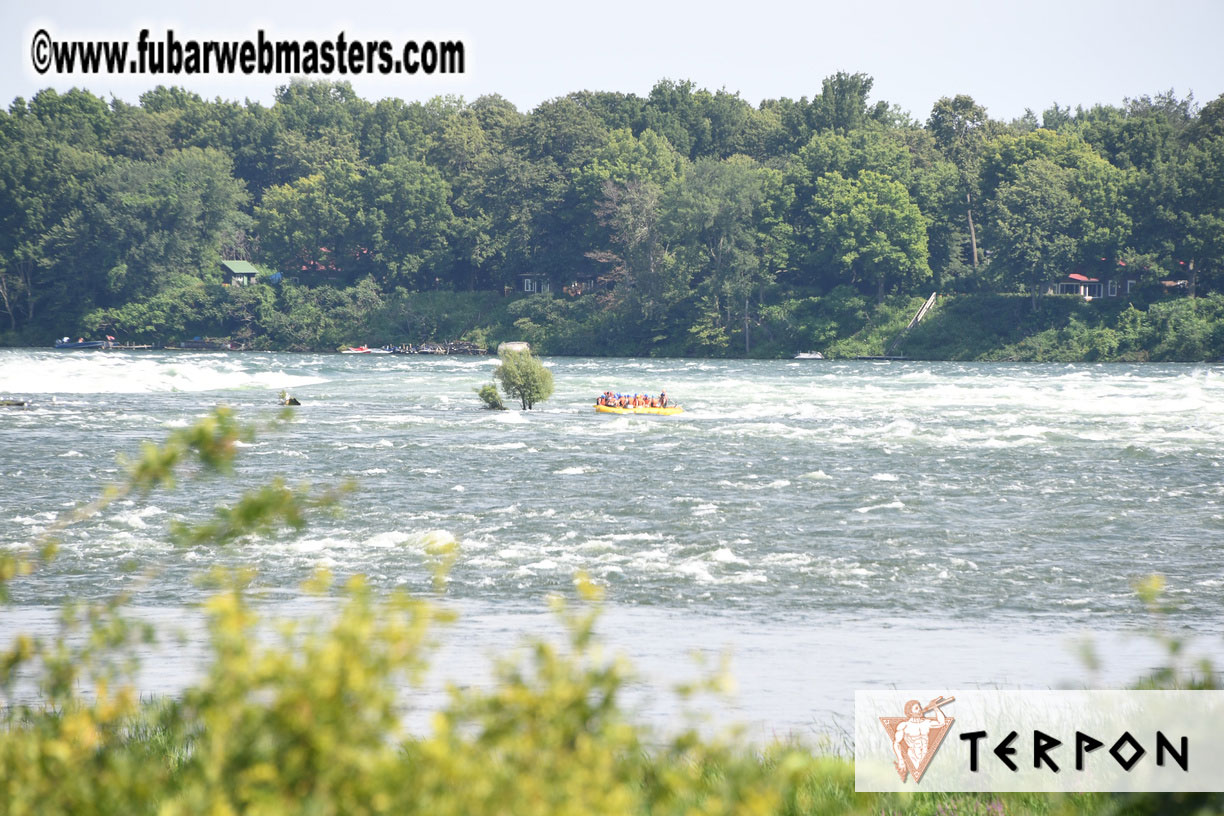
x=829, y=525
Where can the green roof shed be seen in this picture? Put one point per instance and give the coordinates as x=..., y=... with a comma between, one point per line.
x=238, y=273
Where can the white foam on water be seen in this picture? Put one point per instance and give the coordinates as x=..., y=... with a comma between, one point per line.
x=724, y=555
x=389, y=539
x=894, y=505
x=572, y=471
x=135, y=518
x=284, y=452
x=313, y=546
x=786, y=559
x=121, y=373
x=883, y=477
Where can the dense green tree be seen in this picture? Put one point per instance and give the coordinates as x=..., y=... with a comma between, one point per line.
x=615, y=110
x=960, y=128
x=673, y=112
x=46, y=187
x=563, y=131
x=313, y=228
x=1035, y=218
x=499, y=119
x=1201, y=211
x=318, y=108
x=391, y=130
x=870, y=232
x=716, y=213
x=249, y=133
x=77, y=118
x=873, y=149
x=640, y=279
x=407, y=221
x=139, y=133
x=157, y=224
x=842, y=104
x=623, y=185
x=523, y=377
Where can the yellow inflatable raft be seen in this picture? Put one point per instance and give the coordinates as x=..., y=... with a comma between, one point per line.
x=668, y=411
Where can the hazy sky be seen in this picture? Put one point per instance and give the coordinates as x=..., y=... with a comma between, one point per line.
x=1008, y=55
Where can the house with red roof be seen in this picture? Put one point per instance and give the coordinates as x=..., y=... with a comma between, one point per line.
x=1083, y=283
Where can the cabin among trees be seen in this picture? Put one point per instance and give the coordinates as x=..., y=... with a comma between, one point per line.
x=580, y=286
x=534, y=282
x=1093, y=288
x=238, y=273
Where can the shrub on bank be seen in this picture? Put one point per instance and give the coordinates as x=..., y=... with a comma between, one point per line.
x=1067, y=328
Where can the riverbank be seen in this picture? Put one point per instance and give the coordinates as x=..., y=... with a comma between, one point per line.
x=840, y=324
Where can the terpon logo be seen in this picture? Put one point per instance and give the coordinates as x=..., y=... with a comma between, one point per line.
x=916, y=737
x=1038, y=741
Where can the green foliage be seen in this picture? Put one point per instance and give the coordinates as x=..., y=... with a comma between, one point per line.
x=489, y=396
x=1069, y=329
x=523, y=377
x=557, y=325
x=881, y=324
x=696, y=217
x=870, y=230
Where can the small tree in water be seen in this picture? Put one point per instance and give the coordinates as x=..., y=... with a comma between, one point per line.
x=492, y=399
x=524, y=377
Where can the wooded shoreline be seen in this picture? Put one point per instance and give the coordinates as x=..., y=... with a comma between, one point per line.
x=682, y=223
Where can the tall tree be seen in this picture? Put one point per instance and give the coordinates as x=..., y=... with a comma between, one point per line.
x=842, y=104
x=315, y=228
x=1036, y=218
x=959, y=127
x=870, y=231
x=716, y=214
x=156, y=225
x=623, y=185
x=407, y=221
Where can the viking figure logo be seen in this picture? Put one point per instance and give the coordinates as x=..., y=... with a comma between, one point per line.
x=916, y=737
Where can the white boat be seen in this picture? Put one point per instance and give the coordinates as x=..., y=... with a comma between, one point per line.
x=809, y=355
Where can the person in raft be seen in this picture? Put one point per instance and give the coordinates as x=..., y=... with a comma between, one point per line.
x=611, y=400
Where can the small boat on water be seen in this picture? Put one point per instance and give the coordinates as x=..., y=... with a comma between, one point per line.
x=68, y=345
x=809, y=355
x=639, y=409
x=364, y=350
